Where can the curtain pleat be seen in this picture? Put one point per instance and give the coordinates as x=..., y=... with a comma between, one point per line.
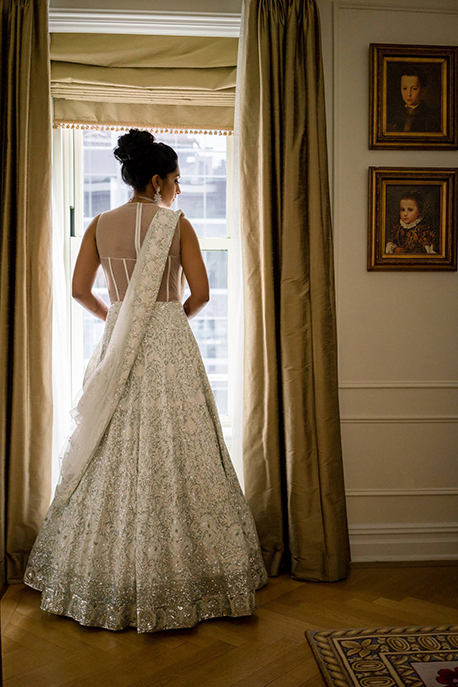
x=292, y=448
x=157, y=81
x=25, y=280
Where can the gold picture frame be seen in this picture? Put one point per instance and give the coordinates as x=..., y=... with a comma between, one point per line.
x=412, y=219
x=413, y=97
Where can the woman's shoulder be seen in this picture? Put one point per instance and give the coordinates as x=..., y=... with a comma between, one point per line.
x=176, y=213
x=112, y=213
x=125, y=207
x=173, y=217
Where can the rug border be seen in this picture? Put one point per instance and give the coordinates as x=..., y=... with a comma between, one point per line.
x=345, y=680
x=322, y=665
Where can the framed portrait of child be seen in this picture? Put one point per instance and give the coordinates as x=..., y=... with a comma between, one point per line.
x=412, y=218
x=413, y=94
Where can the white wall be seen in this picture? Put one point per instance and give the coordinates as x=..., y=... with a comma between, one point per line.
x=398, y=332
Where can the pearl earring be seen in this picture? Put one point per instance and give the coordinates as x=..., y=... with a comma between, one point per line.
x=157, y=196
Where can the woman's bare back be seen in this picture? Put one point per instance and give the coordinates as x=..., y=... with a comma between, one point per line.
x=119, y=237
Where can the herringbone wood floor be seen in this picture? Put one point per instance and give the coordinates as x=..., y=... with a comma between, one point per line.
x=268, y=648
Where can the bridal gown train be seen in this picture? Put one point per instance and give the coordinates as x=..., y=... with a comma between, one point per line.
x=155, y=531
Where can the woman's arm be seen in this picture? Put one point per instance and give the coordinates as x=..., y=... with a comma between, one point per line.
x=194, y=270
x=85, y=272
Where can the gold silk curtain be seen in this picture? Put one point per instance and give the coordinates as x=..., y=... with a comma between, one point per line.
x=291, y=447
x=25, y=281
x=149, y=81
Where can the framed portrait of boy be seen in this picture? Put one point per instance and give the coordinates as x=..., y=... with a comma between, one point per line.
x=412, y=218
x=413, y=94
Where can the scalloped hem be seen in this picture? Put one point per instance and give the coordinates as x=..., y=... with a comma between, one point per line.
x=90, y=614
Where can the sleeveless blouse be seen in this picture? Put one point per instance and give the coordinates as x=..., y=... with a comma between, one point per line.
x=119, y=236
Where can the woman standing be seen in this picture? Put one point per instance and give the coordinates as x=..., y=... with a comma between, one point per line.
x=149, y=526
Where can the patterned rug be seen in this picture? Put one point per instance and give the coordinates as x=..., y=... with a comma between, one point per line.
x=388, y=656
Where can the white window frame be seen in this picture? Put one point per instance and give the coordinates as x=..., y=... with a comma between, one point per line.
x=72, y=164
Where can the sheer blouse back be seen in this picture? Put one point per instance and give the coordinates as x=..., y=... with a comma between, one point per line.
x=119, y=236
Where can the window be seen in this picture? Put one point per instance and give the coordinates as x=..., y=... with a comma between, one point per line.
x=98, y=187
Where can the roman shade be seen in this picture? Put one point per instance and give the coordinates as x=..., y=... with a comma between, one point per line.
x=155, y=82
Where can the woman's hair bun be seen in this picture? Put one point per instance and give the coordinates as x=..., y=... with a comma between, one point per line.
x=141, y=157
x=133, y=145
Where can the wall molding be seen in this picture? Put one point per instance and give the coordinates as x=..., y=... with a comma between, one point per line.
x=62, y=20
x=394, y=6
x=405, y=528
x=433, y=491
x=382, y=542
x=399, y=420
x=404, y=542
x=439, y=384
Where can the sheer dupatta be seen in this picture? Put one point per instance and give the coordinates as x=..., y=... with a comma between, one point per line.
x=104, y=384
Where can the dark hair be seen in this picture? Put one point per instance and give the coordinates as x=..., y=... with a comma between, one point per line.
x=142, y=157
x=415, y=195
x=410, y=70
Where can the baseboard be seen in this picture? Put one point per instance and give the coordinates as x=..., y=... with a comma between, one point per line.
x=409, y=542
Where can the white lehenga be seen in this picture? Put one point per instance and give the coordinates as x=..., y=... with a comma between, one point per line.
x=149, y=526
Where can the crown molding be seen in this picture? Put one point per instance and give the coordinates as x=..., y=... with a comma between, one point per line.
x=146, y=23
x=424, y=6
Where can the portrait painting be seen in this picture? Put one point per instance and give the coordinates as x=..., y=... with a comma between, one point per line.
x=412, y=219
x=413, y=97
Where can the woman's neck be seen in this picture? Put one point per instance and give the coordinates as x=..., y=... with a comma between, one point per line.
x=137, y=198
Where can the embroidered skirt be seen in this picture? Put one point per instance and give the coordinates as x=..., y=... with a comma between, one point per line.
x=157, y=534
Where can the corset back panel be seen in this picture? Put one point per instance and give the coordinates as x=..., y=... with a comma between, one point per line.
x=118, y=243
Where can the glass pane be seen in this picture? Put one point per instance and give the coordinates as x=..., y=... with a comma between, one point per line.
x=96, y=197
x=202, y=160
x=98, y=137
x=99, y=160
x=192, y=198
x=103, y=187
